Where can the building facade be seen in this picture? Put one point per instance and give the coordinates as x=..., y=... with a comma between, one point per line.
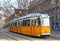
x=51, y=7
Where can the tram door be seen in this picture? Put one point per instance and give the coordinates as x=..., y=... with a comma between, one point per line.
x=35, y=26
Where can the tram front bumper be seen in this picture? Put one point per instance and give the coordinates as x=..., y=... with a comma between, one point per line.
x=45, y=33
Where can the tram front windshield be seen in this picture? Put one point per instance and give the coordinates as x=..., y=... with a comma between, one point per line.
x=45, y=21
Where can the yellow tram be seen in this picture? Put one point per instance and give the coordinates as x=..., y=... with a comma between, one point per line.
x=34, y=24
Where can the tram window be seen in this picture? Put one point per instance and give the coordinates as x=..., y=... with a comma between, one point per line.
x=39, y=22
x=15, y=23
x=20, y=23
x=33, y=22
x=26, y=23
x=12, y=24
x=9, y=24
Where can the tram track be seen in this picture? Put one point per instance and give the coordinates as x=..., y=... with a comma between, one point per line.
x=30, y=38
x=18, y=37
x=8, y=37
x=3, y=36
x=14, y=34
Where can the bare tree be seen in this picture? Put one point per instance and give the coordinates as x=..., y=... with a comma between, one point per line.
x=23, y=4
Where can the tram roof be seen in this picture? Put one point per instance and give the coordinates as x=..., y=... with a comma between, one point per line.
x=33, y=15
x=30, y=15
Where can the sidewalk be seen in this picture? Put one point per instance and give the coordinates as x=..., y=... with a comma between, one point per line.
x=55, y=33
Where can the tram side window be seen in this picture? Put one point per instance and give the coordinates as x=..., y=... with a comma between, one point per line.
x=26, y=23
x=12, y=24
x=39, y=22
x=20, y=23
x=33, y=22
x=15, y=23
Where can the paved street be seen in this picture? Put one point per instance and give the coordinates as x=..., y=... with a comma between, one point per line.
x=55, y=33
x=4, y=37
x=5, y=34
